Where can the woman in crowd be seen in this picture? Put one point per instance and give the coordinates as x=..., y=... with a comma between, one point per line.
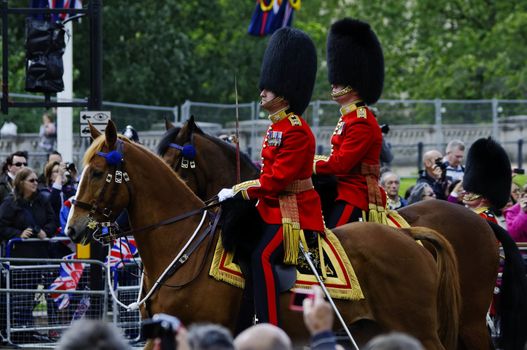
x=422, y=191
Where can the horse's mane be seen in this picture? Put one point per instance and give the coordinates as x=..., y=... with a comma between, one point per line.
x=167, y=139
x=244, y=158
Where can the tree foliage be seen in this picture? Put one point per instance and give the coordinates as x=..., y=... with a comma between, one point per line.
x=164, y=53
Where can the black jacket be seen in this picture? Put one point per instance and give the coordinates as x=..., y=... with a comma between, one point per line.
x=17, y=215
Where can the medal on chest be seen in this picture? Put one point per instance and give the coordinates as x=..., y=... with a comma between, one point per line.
x=340, y=127
x=274, y=138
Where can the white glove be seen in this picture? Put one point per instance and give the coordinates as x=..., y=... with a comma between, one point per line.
x=225, y=193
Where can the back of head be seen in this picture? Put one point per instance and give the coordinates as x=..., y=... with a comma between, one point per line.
x=92, y=335
x=355, y=58
x=488, y=172
x=289, y=67
x=417, y=192
x=394, y=341
x=209, y=337
x=263, y=336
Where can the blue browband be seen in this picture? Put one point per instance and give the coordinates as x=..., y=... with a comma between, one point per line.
x=187, y=150
x=113, y=157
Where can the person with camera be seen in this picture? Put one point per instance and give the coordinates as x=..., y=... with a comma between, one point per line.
x=434, y=173
x=25, y=214
x=516, y=219
x=59, y=184
x=356, y=72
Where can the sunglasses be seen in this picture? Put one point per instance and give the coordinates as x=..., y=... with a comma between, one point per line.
x=32, y=180
x=19, y=164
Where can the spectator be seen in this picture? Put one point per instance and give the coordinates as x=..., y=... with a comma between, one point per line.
x=318, y=318
x=47, y=133
x=516, y=192
x=209, y=337
x=11, y=167
x=434, y=174
x=92, y=335
x=386, y=156
x=516, y=219
x=455, y=192
x=455, y=150
x=9, y=129
x=263, y=336
x=26, y=213
x=58, y=186
x=130, y=133
x=54, y=156
x=394, y=341
x=391, y=182
x=421, y=191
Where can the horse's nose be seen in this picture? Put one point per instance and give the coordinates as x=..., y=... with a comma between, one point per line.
x=73, y=235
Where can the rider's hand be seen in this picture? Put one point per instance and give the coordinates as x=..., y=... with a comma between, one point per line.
x=225, y=193
x=318, y=314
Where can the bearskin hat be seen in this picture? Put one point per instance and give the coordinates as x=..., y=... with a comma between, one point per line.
x=289, y=67
x=488, y=172
x=355, y=58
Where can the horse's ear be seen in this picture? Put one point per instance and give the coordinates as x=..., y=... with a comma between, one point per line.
x=193, y=127
x=93, y=131
x=111, y=134
x=168, y=124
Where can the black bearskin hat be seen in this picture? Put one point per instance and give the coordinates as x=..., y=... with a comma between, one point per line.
x=488, y=172
x=355, y=58
x=289, y=67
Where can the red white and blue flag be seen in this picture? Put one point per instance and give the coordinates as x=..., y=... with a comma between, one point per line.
x=69, y=275
x=123, y=250
x=270, y=15
x=57, y=4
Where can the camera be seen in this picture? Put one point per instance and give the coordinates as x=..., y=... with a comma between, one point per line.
x=518, y=171
x=385, y=128
x=162, y=326
x=442, y=165
x=297, y=299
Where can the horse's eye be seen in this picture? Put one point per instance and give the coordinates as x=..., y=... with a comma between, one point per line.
x=97, y=174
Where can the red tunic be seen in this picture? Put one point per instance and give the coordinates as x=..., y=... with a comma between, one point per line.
x=287, y=155
x=357, y=139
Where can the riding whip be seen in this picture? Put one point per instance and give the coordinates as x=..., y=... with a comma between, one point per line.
x=307, y=255
x=238, y=176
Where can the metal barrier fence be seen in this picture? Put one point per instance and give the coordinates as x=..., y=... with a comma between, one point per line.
x=34, y=315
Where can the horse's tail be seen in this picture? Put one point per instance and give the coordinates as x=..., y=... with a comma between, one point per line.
x=512, y=310
x=449, y=295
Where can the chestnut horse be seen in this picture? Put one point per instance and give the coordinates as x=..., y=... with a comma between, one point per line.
x=473, y=240
x=404, y=288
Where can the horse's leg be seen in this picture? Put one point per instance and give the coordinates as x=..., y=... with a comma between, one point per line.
x=398, y=278
x=477, y=255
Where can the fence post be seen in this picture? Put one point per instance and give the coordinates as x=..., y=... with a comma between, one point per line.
x=520, y=154
x=175, y=113
x=494, y=119
x=420, y=147
x=438, y=123
x=185, y=110
x=316, y=117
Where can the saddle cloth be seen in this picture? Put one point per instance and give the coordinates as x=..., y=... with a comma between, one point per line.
x=341, y=280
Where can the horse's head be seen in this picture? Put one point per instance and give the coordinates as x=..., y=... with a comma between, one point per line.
x=104, y=188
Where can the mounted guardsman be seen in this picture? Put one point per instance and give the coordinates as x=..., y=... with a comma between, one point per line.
x=488, y=178
x=287, y=201
x=356, y=73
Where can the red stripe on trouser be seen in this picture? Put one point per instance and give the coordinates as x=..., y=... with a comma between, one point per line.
x=270, y=288
x=346, y=213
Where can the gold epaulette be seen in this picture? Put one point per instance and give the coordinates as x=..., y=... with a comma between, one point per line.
x=350, y=108
x=361, y=112
x=295, y=120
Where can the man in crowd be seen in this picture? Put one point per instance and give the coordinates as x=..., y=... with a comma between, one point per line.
x=455, y=151
x=12, y=166
x=391, y=182
x=434, y=173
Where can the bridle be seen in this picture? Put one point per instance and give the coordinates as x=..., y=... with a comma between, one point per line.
x=108, y=230
x=188, y=154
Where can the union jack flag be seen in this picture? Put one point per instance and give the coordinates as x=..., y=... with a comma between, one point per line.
x=69, y=275
x=57, y=4
x=122, y=251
